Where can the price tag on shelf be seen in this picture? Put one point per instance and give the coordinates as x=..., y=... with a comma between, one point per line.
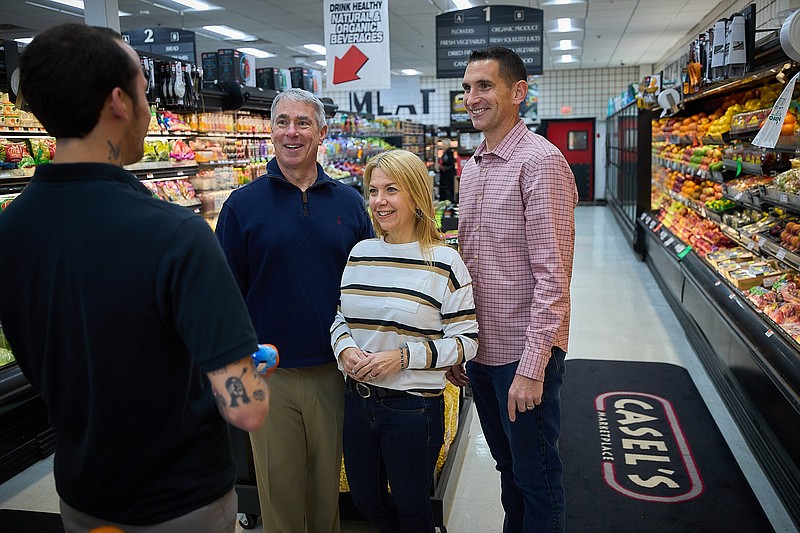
x=663, y=235
x=717, y=283
x=731, y=296
x=738, y=196
x=643, y=216
x=652, y=224
x=769, y=333
x=669, y=241
x=761, y=241
x=150, y=175
x=784, y=198
x=751, y=245
x=179, y=173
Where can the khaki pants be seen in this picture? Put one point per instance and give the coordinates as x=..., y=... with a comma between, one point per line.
x=217, y=517
x=298, y=451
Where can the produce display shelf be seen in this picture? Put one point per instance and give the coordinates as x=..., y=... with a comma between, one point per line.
x=778, y=252
x=753, y=364
x=160, y=165
x=745, y=198
x=787, y=200
x=22, y=132
x=232, y=135
x=223, y=162
x=743, y=167
x=15, y=173
x=719, y=176
x=158, y=135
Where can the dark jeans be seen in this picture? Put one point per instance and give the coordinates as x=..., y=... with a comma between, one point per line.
x=526, y=451
x=395, y=439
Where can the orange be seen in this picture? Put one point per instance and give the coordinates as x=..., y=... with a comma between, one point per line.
x=106, y=529
x=787, y=129
x=790, y=119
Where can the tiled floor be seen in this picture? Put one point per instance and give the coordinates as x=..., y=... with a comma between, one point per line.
x=618, y=313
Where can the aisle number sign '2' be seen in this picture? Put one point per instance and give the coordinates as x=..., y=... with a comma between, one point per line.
x=357, y=43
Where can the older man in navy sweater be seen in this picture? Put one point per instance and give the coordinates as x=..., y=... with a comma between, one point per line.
x=287, y=237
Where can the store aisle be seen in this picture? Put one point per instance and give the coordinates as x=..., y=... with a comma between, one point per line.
x=618, y=313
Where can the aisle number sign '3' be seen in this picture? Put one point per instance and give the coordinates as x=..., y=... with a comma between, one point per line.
x=357, y=43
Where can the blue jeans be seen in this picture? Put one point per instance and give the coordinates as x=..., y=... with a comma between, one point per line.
x=394, y=440
x=526, y=451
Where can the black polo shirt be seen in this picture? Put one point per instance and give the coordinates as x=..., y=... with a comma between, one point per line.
x=115, y=304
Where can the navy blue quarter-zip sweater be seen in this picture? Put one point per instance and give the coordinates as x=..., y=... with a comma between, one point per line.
x=287, y=249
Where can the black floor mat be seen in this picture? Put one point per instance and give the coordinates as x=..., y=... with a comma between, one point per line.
x=642, y=453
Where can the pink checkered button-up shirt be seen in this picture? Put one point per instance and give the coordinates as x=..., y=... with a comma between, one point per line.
x=516, y=232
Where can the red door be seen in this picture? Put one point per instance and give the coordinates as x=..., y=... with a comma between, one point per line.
x=575, y=139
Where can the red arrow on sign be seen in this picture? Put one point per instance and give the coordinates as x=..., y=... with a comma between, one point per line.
x=346, y=69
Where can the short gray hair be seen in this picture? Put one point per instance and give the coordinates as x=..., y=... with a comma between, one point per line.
x=299, y=95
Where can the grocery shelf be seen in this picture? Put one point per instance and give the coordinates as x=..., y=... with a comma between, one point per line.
x=753, y=364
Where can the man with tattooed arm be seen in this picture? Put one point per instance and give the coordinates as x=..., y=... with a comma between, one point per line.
x=121, y=309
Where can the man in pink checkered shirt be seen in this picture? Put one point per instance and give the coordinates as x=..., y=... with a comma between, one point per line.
x=517, y=233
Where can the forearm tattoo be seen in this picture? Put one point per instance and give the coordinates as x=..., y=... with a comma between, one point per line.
x=236, y=389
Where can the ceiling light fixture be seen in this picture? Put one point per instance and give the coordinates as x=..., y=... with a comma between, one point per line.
x=318, y=48
x=263, y=54
x=171, y=10
x=24, y=40
x=194, y=4
x=564, y=44
x=77, y=4
x=230, y=33
x=71, y=3
x=564, y=24
x=52, y=8
x=410, y=71
x=462, y=4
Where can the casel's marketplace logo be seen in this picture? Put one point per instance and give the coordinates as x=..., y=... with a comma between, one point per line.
x=643, y=450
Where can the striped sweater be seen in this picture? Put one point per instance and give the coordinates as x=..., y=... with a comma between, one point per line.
x=390, y=296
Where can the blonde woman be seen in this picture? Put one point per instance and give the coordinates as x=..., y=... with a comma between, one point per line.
x=406, y=315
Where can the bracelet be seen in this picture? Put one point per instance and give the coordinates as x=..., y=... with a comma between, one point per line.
x=404, y=356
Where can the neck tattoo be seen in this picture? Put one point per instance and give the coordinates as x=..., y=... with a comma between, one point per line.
x=114, y=152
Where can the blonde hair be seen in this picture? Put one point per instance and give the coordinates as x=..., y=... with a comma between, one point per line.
x=409, y=173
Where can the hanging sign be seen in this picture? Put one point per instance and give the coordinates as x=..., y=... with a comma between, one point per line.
x=170, y=42
x=767, y=136
x=357, y=43
x=514, y=27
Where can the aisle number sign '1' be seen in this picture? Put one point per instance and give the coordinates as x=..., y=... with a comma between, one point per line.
x=357, y=43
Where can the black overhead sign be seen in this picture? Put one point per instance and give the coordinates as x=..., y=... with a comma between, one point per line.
x=170, y=42
x=460, y=32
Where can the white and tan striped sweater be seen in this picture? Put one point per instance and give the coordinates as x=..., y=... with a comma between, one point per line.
x=390, y=296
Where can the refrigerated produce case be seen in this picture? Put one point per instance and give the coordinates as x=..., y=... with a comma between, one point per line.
x=753, y=362
x=25, y=434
